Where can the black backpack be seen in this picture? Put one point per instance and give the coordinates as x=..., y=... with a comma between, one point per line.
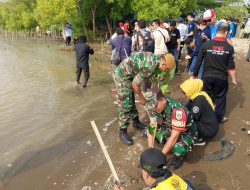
x=148, y=42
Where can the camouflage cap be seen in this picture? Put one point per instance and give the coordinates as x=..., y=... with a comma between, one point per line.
x=152, y=96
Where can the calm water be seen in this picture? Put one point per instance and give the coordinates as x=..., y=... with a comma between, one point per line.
x=41, y=107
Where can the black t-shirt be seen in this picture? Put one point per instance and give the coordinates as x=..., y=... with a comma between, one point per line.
x=82, y=54
x=218, y=56
x=174, y=36
x=203, y=114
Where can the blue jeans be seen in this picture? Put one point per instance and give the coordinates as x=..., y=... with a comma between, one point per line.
x=200, y=70
x=174, y=52
x=192, y=66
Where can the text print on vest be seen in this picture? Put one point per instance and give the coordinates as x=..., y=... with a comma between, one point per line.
x=218, y=50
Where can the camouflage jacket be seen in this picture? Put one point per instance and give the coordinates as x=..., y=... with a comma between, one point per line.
x=137, y=67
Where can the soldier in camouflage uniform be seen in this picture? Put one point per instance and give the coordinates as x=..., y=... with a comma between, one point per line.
x=128, y=77
x=176, y=127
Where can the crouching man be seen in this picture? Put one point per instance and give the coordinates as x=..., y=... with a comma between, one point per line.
x=170, y=124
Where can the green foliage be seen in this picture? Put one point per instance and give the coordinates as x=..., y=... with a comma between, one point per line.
x=231, y=11
x=117, y=9
x=248, y=8
x=150, y=9
x=55, y=12
x=190, y=6
x=87, y=16
x=208, y=4
x=227, y=2
x=18, y=14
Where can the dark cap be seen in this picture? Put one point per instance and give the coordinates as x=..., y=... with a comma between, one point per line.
x=180, y=19
x=154, y=162
x=172, y=23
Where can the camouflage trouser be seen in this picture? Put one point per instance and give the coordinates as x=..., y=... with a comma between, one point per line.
x=182, y=146
x=126, y=101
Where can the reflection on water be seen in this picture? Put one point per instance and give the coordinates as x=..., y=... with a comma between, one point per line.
x=39, y=104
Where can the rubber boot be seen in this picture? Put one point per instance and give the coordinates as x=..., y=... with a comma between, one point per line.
x=176, y=163
x=125, y=138
x=138, y=125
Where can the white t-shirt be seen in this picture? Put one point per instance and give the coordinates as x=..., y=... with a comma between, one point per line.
x=247, y=27
x=183, y=31
x=160, y=46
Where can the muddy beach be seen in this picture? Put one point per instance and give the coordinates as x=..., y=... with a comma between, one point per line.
x=47, y=141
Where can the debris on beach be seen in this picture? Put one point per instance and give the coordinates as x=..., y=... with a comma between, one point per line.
x=89, y=143
x=9, y=165
x=109, y=123
x=246, y=122
x=243, y=128
x=86, y=188
x=105, y=130
x=226, y=151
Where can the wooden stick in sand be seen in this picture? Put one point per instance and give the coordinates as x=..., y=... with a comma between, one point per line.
x=105, y=152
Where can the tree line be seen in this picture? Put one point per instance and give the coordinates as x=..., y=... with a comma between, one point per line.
x=90, y=16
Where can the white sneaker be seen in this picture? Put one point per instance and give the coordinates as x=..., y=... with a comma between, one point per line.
x=199, y=142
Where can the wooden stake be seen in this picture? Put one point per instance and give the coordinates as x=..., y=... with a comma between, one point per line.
x=105, y=152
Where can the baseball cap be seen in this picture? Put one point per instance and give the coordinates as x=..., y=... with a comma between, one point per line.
x=208, y=14
x=180, y=19
x=154, y=162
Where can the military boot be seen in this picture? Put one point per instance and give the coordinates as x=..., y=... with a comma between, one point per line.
x=138, y=125
x=125, y=138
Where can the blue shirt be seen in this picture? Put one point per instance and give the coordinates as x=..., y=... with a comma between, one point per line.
x=211, y=31
x=68, y=31
x=199, y=41
x=122, y=44
x=191, y=26
x=214, y=30
x=206, y=31
x=231, y=30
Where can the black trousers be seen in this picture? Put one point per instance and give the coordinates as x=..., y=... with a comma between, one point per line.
x=217, y=89
x=86, y=75
x=68, y=40
x=206, y=131
x=179, y=54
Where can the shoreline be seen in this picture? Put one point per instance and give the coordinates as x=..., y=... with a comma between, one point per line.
x=78, y=161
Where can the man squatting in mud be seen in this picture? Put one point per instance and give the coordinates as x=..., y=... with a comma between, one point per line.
x=171, y=124
x=178, y=126
x=128, y=77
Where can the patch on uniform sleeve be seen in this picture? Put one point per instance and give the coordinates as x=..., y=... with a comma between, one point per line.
x=179, y=115
x=179, y=119
x=195, y=109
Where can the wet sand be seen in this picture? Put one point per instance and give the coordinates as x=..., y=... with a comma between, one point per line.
x=75, y=162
